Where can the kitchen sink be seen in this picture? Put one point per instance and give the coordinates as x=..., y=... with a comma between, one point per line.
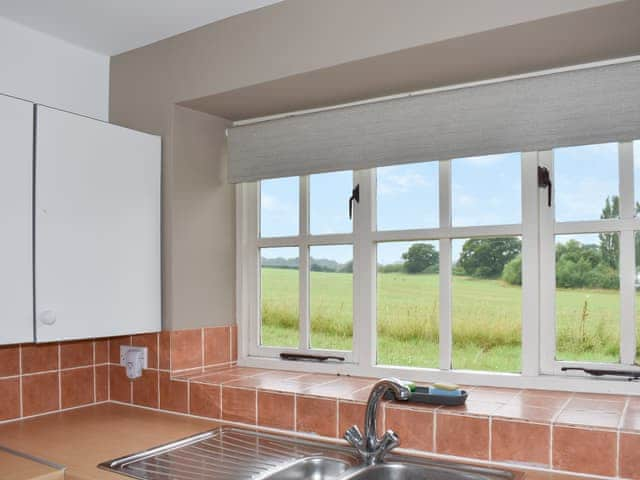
x=312, y=468
x=408, y=471
x=239, y=454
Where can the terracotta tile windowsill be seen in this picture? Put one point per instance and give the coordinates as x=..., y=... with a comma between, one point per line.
x=559, y=430
x=605, y=412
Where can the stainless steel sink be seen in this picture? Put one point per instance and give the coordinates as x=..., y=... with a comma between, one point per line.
x=312, y=468
x=409, y=471
x=237, y=454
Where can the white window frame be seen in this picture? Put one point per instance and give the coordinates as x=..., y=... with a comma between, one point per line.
x=625, y=226
x=538, y=316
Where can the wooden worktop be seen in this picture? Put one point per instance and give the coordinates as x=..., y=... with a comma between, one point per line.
x=16, y=467
x=81, y=439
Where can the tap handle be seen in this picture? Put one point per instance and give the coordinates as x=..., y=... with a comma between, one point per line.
x=389, y=440
x=354, y=436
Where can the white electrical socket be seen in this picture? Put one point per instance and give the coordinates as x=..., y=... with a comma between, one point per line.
x=126, y=348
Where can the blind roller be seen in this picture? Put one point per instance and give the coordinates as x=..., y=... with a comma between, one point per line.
x=594, y=105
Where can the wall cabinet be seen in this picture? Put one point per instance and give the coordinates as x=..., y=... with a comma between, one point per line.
x=80, y=223
x=16, y=234
x=97, y=228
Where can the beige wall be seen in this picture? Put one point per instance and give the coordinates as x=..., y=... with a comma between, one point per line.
x=289, y=38
x=199, y=224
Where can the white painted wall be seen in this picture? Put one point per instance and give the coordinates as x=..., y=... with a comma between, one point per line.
x=46, y=70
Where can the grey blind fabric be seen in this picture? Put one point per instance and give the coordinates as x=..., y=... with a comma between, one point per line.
x=579, y=107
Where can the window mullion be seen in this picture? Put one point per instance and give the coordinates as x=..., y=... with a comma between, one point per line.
x=547, y=277
x=530, y=266
x=364, y=272
x=445, y=333
x=303, y=266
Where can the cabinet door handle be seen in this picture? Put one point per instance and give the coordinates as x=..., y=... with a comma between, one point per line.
x=47, y=317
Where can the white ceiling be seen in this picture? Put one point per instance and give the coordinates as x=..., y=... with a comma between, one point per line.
x=115, y=26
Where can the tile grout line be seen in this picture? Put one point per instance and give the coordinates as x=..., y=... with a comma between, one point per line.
x=337, y=432
x=295, y=412
x=618, y=434
x=59, y=377
x=220, y=395
x=21, y=407
x=202, y=349
x=109, y=370
x=435, y=429
x=93, y=345
x=490, y=424
x=550, y=455
x=189, y=397
x=158, y=365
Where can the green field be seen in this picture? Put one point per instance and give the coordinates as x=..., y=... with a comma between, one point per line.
x=486, y=319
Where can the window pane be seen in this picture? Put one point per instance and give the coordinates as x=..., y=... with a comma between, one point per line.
x=407, y=303
x=331, y=296
x=487, y=304
x=329, y=202
x=279, y=201
x=587, y=297
x=486, y=190
x=408, y=196
x=586, y=180
x=279, y=287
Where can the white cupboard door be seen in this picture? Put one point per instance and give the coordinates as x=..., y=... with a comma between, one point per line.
x=16, y=220
x=97, y=228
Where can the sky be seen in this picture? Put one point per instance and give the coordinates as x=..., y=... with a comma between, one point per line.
x=485, y=191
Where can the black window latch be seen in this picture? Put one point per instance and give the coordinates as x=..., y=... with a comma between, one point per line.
x=355, y=196
x=544, y=181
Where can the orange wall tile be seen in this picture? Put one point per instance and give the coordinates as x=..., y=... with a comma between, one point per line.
x=462, y=435
x=76, y=354
x=205, y=400
x=317, y=415
x=276, y=410
x=174, y=395
x=520, y=442
x=584, y=451
x=40, y=393
x=239, y=405
x=630, y=456
x=77, y=387
x=39, y=358
x=414, y=426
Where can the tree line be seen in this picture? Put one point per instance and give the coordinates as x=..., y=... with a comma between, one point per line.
x=578, y=265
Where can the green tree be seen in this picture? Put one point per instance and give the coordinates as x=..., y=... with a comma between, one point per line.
x=512, y=272
x=610, y=242
x=583, y=266
x=347, y=267
x=486, y=257
x=420, y=257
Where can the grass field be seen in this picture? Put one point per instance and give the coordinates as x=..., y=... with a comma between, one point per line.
x=486, y=319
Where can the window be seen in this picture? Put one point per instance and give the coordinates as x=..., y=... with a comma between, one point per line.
x=305, y=250
x=456, y=268
x=589, y=234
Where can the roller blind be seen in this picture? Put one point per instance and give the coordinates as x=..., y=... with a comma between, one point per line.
x=578, y=107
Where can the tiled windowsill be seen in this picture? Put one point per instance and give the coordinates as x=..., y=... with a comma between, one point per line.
x=609, y=412
x=594, y=434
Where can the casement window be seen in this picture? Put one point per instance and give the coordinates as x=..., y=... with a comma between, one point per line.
x=589, y=257
x=513, y=269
